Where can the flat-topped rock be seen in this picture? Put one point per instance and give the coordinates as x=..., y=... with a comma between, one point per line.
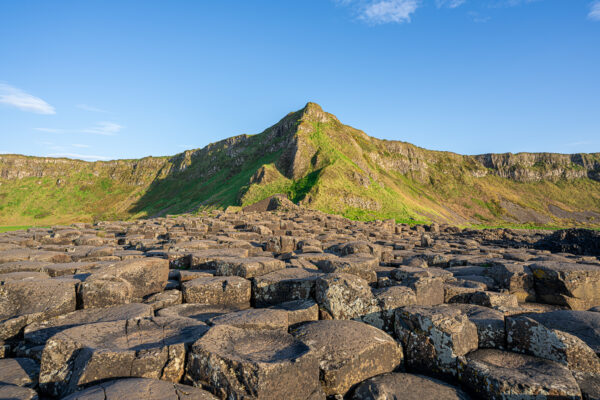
x=284, y=285
x=200, y=312
x=246, y=267
x=349, y=352
x=19, y=372
x=345, y=296
x=141, y=389
x=124, y=282
x=147, y=348
x=574, y=285
x=218, y=290
x=253, y=364
x=406, y=387
x=39, y=332
x=261, y=318
x=435, y=337
x=495, y=374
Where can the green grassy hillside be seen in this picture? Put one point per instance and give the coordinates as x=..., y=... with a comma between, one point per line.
x=318, y=163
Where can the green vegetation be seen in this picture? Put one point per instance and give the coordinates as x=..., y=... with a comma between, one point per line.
x=318, y=163
x=13, y=228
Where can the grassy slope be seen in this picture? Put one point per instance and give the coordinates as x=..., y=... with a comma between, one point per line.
x=346, y=173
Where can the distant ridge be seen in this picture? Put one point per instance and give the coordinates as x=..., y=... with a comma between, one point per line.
x=319, y=163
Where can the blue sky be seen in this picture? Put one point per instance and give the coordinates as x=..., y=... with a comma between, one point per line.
x=125, y=79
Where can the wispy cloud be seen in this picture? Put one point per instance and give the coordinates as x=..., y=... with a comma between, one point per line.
x=100, y=128
x=81, y=146
x=89, y=108
x=15, y=97
x=51, y=130
x=104, y=128
x=388, y=11
x=594, y=13
x=84, y=157
x=478, y=18
x=449, y=3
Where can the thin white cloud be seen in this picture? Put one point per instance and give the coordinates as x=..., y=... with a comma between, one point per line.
x=81, y=146
x=594, y=13
x=449, y=3
x=100, y=128
x=89, y=108
x=104, y=128
x=15, y=97
x=84, y=157
x=389, y=11
x=51, y=130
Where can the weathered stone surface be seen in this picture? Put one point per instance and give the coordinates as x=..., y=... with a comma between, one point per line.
x=518, y=279
x=141, y=389
x=526, y=335
x=238, y=363
x=435, y=337
x=261, y=318
x=24, y=302
x=361, y=266
x=345, y=296
x=147, y=348
x=218, y=290
x=39, y=332
x=12, y=392
x=589, y=384
x=391, y=298
x=246, y=267
x=349, y=352
x=19, y=372
x=495, y=374
x=490, y=325
x=124, y=282
x=407, y=387
x=164, y=299
x=487, y=299
x=574, y=285
x=583, y=324
x=199, y=312
x=202, y=259
x=285, y=285
x=299, y=310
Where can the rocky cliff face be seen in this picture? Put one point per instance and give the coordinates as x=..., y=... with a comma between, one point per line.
x=317, y=161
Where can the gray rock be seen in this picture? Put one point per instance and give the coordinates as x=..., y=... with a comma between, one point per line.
x=406, y=387
x=345, y=296
x=38, y=333
x=435, y=337
x=495, y=374
x=526, y=335
x=19, y=372
x=349, y=352
x=285, y=285
x=238, y=363
x=199, y=312
x=218, y=290
x=246, y=267
x=12, y=392
x=261, y=318
x=141, y=389
x=574, y=285
x=300, y=311
x=146, y=348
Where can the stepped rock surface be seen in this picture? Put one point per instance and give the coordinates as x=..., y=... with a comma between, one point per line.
x=293, y=303
x=312, y=160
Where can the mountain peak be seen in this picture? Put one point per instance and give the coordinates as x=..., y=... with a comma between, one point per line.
x=314, y=113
